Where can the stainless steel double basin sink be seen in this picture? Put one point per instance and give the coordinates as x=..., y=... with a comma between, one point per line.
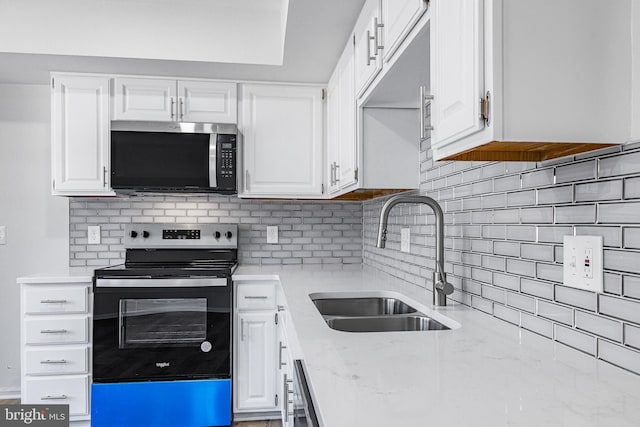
x=372, y=313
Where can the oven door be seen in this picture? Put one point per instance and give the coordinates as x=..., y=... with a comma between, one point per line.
x=161, y=329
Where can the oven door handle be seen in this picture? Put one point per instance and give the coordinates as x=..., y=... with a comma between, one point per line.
x=175, y=282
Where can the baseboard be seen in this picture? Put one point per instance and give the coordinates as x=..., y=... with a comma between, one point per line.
x=9, y=393
x=256, y=416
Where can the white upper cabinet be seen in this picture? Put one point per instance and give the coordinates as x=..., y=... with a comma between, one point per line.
x=399, y=17
x=210, y=102
x=342, y=161
x=546, y=69
x=282, y=133
x=368, y=45
x=170, y=100
x=457, y=70
x=80, y=135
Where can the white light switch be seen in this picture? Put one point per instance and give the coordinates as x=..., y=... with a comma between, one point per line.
x=583, y=262
x=272, y=234
x=3, y=234
x=93, y=234
x=405, y=240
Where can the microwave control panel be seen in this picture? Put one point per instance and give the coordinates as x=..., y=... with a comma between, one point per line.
x=227, y=162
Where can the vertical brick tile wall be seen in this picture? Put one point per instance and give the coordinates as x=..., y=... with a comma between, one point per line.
x=309, y=232
x=505, y=223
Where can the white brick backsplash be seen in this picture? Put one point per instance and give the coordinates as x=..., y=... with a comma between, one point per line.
x=632, y=336
x=617, y=355
x=537, y=325
x=576, y=297
x=576, y=339
x=555, y=195
x=601, y=326
x=514, y=215
x=620, y=308
x=576, y=172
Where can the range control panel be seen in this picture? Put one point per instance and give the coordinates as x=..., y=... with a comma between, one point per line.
x=180, y=236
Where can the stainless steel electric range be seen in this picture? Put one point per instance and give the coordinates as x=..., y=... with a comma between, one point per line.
x=162, y=328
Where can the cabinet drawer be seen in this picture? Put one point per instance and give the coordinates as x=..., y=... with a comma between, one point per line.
x=49, y=330
x=256, y=296
x=72, y=391
x=52, y=360
x=55, y=299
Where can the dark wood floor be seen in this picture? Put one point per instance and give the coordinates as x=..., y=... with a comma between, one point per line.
x=272, y=423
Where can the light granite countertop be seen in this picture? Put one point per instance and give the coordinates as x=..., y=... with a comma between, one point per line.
x=485, y=373
x=64, y=275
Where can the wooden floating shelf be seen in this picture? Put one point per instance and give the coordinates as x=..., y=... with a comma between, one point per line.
x=367, y=194
x=509, y=151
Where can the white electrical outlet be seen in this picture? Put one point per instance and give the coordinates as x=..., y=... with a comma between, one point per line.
x=93, y=234
x=3, y=234
x=583, y=263
x=272, y=234
x=405, y=240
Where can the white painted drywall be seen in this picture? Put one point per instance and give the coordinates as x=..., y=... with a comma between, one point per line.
x=229, y=31
x=37, y=222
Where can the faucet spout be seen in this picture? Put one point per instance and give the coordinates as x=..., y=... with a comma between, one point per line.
x=441, y=288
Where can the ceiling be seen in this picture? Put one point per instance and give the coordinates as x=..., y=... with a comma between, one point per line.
x=316, y=34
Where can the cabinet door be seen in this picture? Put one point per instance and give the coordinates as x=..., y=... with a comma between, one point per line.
x=368, y=58
x=209, y=102
x=457, y=70
x=282, y=128
x=256, y=382
x=145, y=99
x=399, y=17
x=80, y=135
x=341, y=121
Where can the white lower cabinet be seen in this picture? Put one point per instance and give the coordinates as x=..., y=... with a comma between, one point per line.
x=55, y=345
x=254, y=348
x=256, y=384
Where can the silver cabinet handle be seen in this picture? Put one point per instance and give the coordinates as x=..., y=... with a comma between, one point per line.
x=424, y=97
x=335, y=169
x=280, y=362
x=59, y=397
x=255, y=297
x=104, y=176
x=53, y=331
x=332, y=174
x=241, y=329
x=53, y=362
x=377, y=27
x=53, y=301
x=181, y=106
x=369, y=57
x=173, y=101
x=246, y=180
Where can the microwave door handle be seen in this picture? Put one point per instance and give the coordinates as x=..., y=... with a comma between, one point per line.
x=213, y=160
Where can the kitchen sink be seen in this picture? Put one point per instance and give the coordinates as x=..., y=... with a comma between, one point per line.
x=373, y=306
x=385, y=324
x=373, y=312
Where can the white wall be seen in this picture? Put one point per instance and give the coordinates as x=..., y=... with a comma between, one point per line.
x=37, y=223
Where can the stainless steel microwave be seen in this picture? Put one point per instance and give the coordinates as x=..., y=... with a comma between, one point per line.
x=173, y=157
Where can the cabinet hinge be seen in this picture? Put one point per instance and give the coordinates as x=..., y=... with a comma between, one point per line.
x=354, y=39
x=485, y=108
x=324, y=93
x=276, y=400
x=355, y=174
x=321, y=188
x=276, y=318
x=53, y=183
x=53, y=83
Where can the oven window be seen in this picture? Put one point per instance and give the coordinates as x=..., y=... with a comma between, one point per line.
x=180, y=322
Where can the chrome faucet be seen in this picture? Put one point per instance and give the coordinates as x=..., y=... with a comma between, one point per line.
x=441, y=288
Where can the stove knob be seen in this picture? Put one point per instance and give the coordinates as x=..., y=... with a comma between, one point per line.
x=133, y=234
x=217, y=234
x=145, y=234
x=228, y=234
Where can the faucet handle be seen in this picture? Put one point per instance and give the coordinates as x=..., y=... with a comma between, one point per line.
x=444, y=287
